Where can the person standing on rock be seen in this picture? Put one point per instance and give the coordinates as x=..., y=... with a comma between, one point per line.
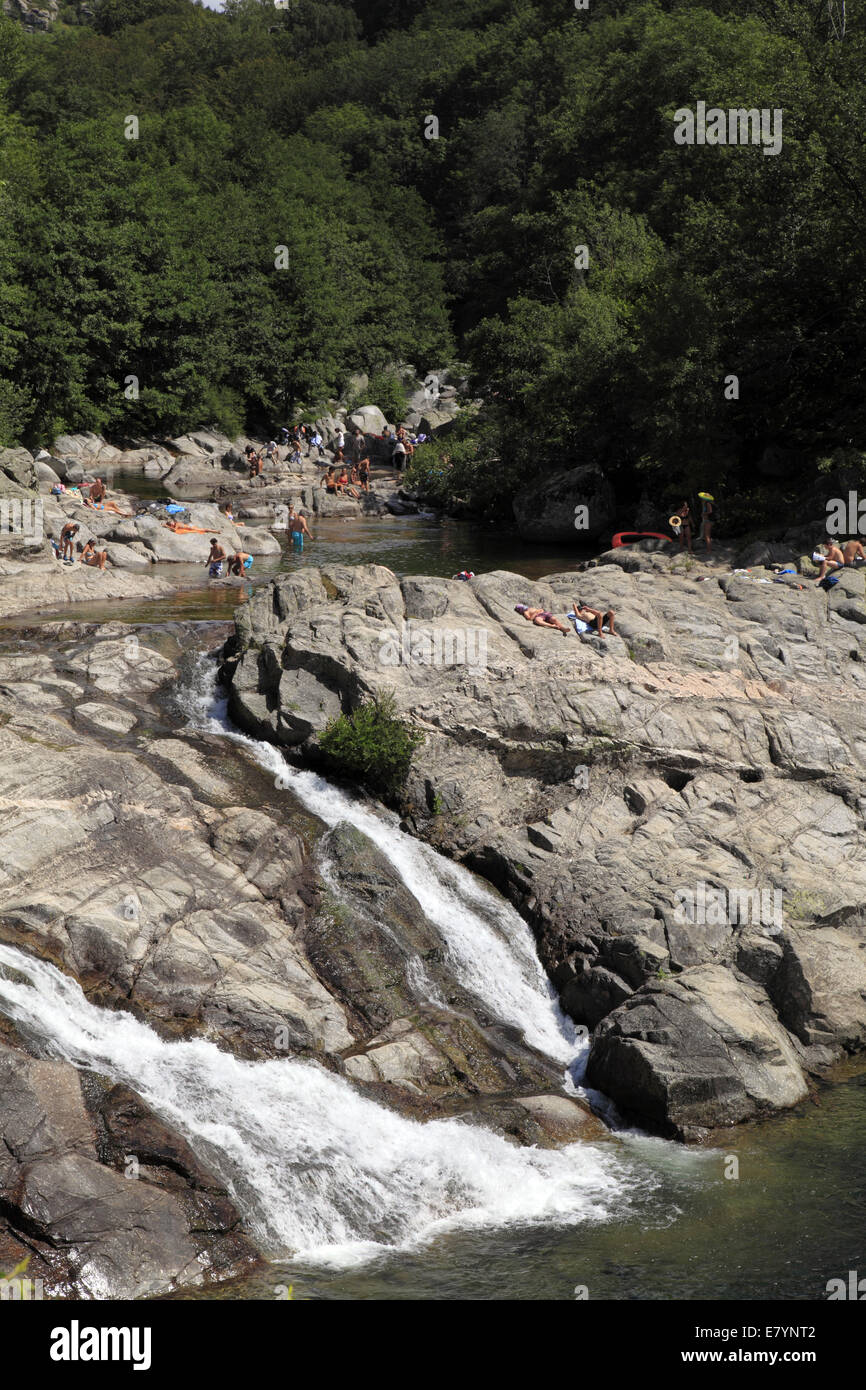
x=340, y=441
x=364, y=474
x=316, y=442
x=684, y=512
x=707, y=500
x=359, y=444
x=67, y=540
x=398, y=458
x=214, y=561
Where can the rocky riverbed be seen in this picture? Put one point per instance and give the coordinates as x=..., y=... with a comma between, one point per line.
x=613, y=787
x=162, y=870
x=674, y=810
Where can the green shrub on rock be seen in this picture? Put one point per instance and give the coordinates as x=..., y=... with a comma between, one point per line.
x=372, y=745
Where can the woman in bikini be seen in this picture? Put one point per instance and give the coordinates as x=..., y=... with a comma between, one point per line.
x=343, y=485
x=91, y=556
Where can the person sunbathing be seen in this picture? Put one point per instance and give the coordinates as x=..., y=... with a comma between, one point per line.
x=830, y=559
x=178, y=526
x=853, y=551
x=89, y=555
x=540, y=618
x=343, y=485
x=596, y=616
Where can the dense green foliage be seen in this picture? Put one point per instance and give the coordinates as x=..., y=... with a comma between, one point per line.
x=304, y=128
x=371, y=746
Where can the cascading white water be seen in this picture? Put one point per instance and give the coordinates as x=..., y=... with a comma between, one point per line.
x=490, y=948
x=320, y=1172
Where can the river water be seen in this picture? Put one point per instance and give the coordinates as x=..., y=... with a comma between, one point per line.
x=352, y=1201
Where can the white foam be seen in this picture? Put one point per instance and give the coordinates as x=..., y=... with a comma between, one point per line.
x=319, y=1171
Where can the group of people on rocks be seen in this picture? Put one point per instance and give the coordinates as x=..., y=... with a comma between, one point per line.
x=682, y=524
x=584, y=617
x=830, y=556
x=67, y=547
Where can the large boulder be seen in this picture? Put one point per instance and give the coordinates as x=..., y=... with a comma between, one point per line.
x=17, y=466
x=368, y=418
x=437, y=422
x=88, y=450
x=64, y=1179
x=698, y=1051
x=548, y=510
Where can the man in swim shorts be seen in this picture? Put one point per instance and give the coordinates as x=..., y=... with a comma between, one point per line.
x=830, y=558
x=853, y=551
x=540, y=618
x=215, y=559
x=240, y=562
x=296, y=526
x=595, y=615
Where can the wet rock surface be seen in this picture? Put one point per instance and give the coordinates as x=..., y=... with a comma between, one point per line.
x=99, y=1195
x=714, y=747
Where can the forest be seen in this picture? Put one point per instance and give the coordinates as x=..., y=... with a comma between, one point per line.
x=215, y=218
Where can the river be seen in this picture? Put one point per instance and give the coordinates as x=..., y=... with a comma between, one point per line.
x=352, y=1201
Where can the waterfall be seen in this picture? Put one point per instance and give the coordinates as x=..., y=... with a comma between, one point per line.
x=490, y=949
x=319, y=1172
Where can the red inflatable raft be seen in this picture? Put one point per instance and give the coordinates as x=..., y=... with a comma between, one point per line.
x=629, y=537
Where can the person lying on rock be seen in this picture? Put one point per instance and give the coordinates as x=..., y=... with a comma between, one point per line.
x=174, y=525
x=540, y=617
x=91, y=556
x=831, y=558
x=67, y=540
x=595, y=615
x=239, y=562
x=853, y=551
x=214, y=561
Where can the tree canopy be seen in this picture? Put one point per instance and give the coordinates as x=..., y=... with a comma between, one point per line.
x=276, y=218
